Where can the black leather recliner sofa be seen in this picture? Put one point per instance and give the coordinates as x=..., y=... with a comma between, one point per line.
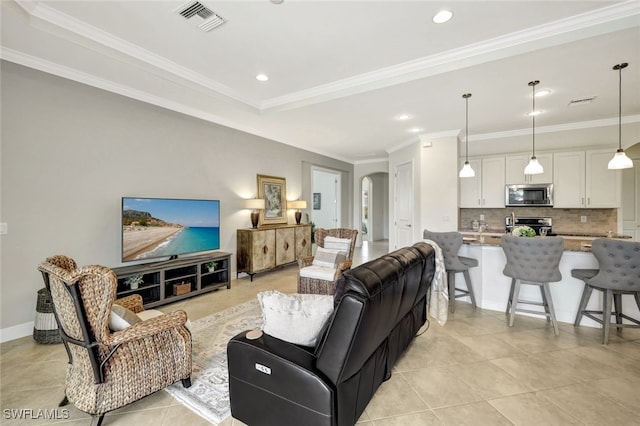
x=380, y=306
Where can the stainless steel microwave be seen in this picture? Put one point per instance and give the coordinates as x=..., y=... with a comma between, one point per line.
x=529, y=195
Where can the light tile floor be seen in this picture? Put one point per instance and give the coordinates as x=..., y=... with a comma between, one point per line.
x=474, y=370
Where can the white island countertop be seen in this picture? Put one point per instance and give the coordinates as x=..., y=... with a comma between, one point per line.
x=571, y=242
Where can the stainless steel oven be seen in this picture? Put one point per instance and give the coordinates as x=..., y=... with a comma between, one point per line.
x=529, y=195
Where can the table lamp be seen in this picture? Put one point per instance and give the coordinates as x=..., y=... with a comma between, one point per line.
x=297, y=205
x=255, y=204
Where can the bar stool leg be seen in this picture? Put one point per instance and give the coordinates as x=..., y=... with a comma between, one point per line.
x=514, y=301
x=467, y=280
x=606, y=314
x=510, y=301
x=545, y=303
x=617, y=304
x=451, y=277
x=586, y=295
x=549, y=307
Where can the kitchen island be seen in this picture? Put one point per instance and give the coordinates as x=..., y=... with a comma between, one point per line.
x=491, y=287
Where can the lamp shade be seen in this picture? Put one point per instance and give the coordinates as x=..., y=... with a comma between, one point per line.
x=254, y=204
x=620, y=161
x=534, y=167
x=297, y=204
x=466, y=171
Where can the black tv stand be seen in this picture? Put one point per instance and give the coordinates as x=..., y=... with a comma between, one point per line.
x=175, y=279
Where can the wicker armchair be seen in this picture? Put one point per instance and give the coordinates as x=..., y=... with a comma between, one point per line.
x=312, y=285
x=108, y=370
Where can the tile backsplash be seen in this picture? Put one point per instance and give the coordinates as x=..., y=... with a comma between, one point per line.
x=564, y=220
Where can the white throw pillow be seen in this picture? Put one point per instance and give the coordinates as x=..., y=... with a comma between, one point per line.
x=328, y=258
x=295, y=318
x=342, y=244
x=121, y=318
x=318, y=273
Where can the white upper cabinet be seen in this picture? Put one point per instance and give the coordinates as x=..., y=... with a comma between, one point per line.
x=493, y=182
x=471, y=187
x=515, y=164
x=582, y=180
x=568, y=184
x=486, y=189
x=603, y=186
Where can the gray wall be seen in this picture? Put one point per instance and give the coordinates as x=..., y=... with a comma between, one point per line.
x=70, y=152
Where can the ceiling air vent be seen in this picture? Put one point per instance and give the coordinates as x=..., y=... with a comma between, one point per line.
x=581, y=102
x=200, y=16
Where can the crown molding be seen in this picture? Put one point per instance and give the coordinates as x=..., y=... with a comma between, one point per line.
x=555, y=128
x=427, y=137
x=371, y=161
x=52, y=68
x=599, y=21
x=131, y=50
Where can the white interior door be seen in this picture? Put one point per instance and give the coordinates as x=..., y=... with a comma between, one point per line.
x=325, y=208
x=404, y=204
x=366, y=229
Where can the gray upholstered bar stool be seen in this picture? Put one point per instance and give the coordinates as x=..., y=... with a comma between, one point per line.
x=532, y=261
x=619, y=273
x=450, y=243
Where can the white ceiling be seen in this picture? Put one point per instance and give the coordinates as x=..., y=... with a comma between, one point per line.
x=341, y=71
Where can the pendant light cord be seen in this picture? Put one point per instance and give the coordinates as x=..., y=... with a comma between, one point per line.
x=466, y=97
x=534, y=120
x=620, y=105
x=533, y=116
x=466, y=129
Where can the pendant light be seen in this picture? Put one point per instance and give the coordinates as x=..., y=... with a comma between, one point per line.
x=467, y=171
x=620, y=159
x=534, y=167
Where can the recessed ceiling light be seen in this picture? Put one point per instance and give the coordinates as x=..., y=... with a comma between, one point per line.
x=262, y=77
x=416, y=130
x=534, y=113
x=543, y=92
x=442, y=16
x=403, y=117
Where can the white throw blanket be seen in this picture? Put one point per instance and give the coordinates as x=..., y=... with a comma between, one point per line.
x=438, y=304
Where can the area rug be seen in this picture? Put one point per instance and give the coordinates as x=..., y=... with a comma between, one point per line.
x=209, y=392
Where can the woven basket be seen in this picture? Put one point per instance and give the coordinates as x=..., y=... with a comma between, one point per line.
x=45, y=328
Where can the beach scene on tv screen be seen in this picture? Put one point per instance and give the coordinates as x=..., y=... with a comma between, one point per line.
x=154, y=227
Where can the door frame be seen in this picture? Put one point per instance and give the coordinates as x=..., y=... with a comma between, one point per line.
x=410, y=197
x=337, y=174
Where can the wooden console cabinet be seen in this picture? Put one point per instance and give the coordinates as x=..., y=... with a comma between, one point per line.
x=173, y=280
x=265, y=248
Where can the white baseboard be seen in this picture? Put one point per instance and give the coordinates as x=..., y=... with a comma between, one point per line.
x=16, y=332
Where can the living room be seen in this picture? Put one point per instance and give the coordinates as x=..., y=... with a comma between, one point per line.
x=71, y=150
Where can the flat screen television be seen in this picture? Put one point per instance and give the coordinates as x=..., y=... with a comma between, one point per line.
x=167, y=227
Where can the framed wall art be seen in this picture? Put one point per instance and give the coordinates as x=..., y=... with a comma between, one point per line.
x=274, y=192
x=317, y=201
